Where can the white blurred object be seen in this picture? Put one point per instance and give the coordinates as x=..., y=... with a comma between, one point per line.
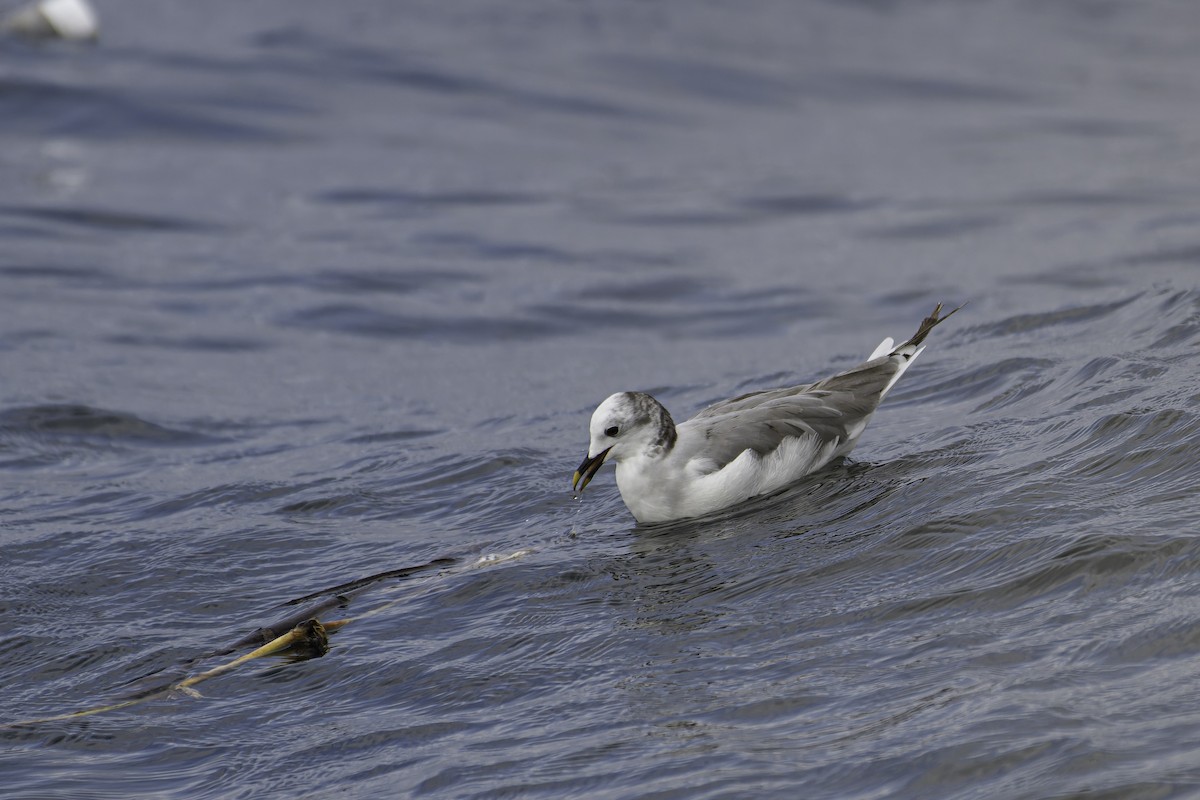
x=496, y=558
x=67, y=19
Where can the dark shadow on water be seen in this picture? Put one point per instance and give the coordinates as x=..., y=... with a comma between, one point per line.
x=83, y=423
x=948, y=227
x=860, y=87
x=109, y=220
x=41, y=108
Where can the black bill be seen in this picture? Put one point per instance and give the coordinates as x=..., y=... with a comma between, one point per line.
x=588, y=469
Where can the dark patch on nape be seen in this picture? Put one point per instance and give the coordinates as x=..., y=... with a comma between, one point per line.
x=666, y=434
x=645, y=410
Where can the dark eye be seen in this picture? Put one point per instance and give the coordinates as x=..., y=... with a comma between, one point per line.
x=610, y=432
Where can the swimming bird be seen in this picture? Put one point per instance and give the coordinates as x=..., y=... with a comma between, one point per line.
x=740, y=448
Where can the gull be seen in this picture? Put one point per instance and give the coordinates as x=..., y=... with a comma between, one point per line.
x=740, y=448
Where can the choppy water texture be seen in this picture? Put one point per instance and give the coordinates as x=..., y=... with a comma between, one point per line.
x=298, y=292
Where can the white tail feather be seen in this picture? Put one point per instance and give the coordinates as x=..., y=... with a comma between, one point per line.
x=883, y=349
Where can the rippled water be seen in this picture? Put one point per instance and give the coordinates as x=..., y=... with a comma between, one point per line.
x=294, y=293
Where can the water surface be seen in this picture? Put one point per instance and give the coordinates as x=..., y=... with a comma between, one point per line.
x=292, y=294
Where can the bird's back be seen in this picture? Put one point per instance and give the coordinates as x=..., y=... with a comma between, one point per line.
x=833, y=412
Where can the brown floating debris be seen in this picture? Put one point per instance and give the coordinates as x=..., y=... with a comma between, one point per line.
x=300, y=633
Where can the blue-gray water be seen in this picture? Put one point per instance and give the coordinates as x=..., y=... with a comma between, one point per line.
x=296, y=292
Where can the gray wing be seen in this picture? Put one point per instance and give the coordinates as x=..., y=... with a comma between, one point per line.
x=832, y=409
x=835, y=409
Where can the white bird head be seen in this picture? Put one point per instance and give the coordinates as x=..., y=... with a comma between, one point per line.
x=624, y=425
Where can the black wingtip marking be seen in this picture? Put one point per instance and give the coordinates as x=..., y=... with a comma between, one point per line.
x=928, y=324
